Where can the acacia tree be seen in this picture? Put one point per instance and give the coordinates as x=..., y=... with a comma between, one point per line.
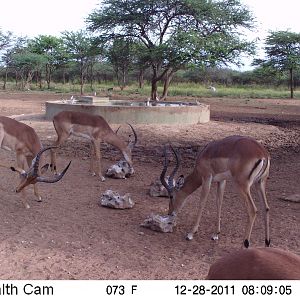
x=175, y=33
x=49, y=46
x=6, y=40
x=282, y=54
x=80, y=47
x=26, y=64
x=120, y=55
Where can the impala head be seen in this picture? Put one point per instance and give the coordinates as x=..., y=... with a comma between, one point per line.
x=169, y=185
x=32, y=175
x=127, y=153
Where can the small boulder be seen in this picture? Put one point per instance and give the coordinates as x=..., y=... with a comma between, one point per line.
x=160, y=223
x=120, y=170
x=114, y=200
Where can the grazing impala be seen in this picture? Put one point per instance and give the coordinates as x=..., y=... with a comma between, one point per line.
x=256, y=264
x=94, y=128
x=239, y=158
x=21, y=138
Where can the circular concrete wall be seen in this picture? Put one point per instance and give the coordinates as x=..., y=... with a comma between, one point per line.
x=121, y=111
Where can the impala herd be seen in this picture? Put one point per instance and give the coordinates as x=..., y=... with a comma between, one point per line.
x=239, y=158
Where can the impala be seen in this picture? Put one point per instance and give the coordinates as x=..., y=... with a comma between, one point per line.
x=256, y=264
x=96, y=129
x=22, y=139
x=239, y=158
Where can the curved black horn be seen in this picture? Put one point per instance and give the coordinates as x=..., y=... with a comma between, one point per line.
x=163, y=173
x=36, y=161
x=171, y=177
x=116, y=132
x=55, y=178
x=169, y=185
x=132, y=144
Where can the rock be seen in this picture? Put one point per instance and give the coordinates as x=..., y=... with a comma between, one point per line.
x=160, y=223
x=120, y=170
x=291, y=198
x=114, y=200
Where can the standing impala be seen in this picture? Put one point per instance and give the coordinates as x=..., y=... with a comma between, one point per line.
x=239, y=158
x=22, y=139
x=94, y=128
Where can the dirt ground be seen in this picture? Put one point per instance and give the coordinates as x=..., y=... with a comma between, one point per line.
x=70, y=236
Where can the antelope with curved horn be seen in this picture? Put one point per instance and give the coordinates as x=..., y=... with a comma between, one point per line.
x=239, y=158
x=21, y=138
x=94, y=128
x=256, y=264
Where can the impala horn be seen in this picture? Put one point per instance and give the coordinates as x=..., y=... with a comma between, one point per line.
x=35, y=166
x=132, y=143
x=170, y=184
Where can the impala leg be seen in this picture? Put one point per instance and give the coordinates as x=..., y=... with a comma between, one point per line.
x=35, y=188
x=21, y=163
x=252, y=211
x=220, y=195
x=36, y=193
x=93, y=159
x=96, y=145
x=203, y=199
x=261, y=191
x=60, y=139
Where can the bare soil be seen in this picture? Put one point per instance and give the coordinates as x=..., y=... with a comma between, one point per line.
x=70, y=236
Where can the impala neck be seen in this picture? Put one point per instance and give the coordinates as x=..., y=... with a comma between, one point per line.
x=191, y=183
x=115, y=141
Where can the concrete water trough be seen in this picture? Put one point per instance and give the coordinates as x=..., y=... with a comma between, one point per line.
x=134, y=112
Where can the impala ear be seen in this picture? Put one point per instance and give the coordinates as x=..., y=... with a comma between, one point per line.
x=179, y=182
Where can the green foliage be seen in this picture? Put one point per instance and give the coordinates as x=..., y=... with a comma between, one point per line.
x=282, y=54
x=5, y=39
x=283, y=50
x=175, y=33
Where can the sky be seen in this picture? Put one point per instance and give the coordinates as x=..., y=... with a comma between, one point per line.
x=35, y=17
x=39, y=17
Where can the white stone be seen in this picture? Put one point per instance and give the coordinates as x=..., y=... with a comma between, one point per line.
x=120, y=170
x=112, y=199
x=160, y=223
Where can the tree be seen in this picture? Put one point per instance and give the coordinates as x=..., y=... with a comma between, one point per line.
x=26, y=63
x=282, y=53
x=120, y=55
x=80, y=47
x=49, y=46
x=6, y=40
x=175, y=33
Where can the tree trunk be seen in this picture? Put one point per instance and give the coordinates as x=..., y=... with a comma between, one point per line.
x=81, y=78
x=92, y=76
x=64, y=75
x=292, y=83
x=141, y=78
x=168, y=78
x=48, y=76
x=154, y=93
x=123, y=79
x=5, y=79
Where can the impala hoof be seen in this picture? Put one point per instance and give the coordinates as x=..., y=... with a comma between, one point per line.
x=189, y=236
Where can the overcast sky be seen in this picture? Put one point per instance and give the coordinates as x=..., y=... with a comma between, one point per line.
x=34, y=17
